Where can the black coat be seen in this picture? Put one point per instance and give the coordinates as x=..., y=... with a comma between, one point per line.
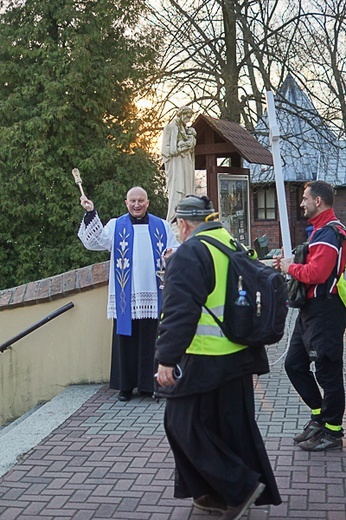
x=189, y=279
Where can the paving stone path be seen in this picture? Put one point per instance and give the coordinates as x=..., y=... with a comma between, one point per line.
x=111, y=460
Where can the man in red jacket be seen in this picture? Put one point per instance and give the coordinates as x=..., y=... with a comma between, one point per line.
x=320, y=325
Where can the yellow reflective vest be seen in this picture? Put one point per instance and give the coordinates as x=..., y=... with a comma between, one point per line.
x=209, y=340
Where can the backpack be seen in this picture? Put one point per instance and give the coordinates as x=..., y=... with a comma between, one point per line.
x=296, y=289
x=262, y=322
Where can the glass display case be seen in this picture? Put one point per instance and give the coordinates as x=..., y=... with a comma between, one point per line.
x=234, y=205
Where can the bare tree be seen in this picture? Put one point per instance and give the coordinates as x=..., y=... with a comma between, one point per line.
x=321, y=38
x=218, y=53
x=222, y=55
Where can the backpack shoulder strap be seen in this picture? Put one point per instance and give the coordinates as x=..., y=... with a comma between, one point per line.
x=341, y=237
x=334, y=225
x=227, y=250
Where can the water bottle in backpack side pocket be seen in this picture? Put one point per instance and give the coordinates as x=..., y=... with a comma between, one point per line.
x=242, y=300
x=242, y=315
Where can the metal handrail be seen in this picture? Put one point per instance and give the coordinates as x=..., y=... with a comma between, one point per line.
x=35, y=326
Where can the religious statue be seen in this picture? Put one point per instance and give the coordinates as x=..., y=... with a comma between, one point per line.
x=178, y=153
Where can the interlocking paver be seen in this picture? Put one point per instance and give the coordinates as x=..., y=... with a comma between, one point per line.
x=112, y=460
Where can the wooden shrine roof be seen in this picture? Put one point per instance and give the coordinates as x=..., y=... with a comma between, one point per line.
x=227, y=138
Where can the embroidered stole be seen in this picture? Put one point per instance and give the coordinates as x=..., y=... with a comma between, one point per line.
x=123, y=262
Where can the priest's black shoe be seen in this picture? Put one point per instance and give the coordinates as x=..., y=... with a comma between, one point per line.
x=145, y=394
x=125, y=395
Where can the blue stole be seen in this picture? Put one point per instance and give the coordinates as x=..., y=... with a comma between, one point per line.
x=123, y=261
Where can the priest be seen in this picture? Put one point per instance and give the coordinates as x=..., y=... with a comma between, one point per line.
x=136, y=242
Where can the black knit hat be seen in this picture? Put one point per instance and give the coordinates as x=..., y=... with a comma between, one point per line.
x=194, y=208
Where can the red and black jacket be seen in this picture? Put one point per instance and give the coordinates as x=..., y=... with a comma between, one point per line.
x=324, y=262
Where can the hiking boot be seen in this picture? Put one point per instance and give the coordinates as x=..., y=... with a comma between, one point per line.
x=322, y=442
x=311, y=429
x=236, y=512
x=210, y=503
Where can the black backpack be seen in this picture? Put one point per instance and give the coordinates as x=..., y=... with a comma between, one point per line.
x=296, y=289
x=262, y=322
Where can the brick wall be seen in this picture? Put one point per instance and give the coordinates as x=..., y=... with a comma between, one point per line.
x=340, y=204
x=297, y=226
x=55, y=287
x=272, y=229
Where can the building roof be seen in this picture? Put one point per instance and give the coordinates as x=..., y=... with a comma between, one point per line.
x=309, y=149
x=239, y=139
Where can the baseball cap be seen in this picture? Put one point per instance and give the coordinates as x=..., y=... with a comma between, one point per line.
x=194, y=208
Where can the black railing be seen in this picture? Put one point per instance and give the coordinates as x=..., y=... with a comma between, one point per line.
x=35, y=326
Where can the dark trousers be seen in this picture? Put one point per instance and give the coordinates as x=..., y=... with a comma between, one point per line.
x=132, y=364
x=319, y=328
